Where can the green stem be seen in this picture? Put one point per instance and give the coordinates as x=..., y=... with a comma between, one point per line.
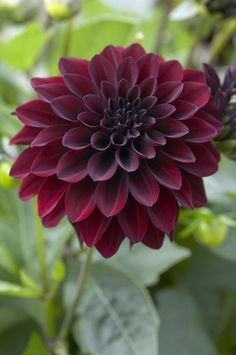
x=166, y=5
x=40, y=245
x=221, y=39
x=67, y=38
x=49, y=326
x=83, y=275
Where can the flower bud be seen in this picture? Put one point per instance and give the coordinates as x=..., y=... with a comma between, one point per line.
x=60, y=10
x=212, y=233
x=6, y=181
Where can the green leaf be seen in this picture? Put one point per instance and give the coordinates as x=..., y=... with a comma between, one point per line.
x=14, y=341
x=182, y=330
x=147, y=264
x=116, y=315
x=7, y=261
x=10, y=289
x=207, y=270
x=221, y=186
x=36, y=346
x=22, y=51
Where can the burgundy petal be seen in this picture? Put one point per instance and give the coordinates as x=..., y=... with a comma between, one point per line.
x=72, y=167
x=192, y=193
x=112, y=54
x=164, y=219
x=194, y=75
x=102, y=166
x=169, y=91
x=196, y=93
x=35, y=82
x=50, y=134
x=148, y=66
x=48, y=92
x=179, y=151
x=79, y=84
x=68, y=107
x=111, y=239
x=199, y=131
x=143, y=186
x=134, y=50
x=80, y=200
x=144, y=148
x=25, y=135
x=184, y=110
x=55, y=216
x=172, y=128
x=162, y=110
x=166, y=172
x=211, y=120
x=74, y=66
x=89, y=119
x=45, y=164
x=118, y=140
x=22, y=166
x=108, y=90
x=148, y=86
x=153, y=238
x=50, y=194
x=94, y=103
x=170, y=70
x=123, y=87
x=100, y=140
x=91, y=229
x=101, y=69
x=127, y=159
x=30, y=187
x=156, y=138
x=128, y=69
x=205, y=164
x=77, y=138
x=133, y=220
x=112, y=195
x=37, y=113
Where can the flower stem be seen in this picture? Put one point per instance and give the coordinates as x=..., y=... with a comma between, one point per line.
x=166, y=5
x=221, y=39
x=83, y=275
x=49, y=314
x=40, y=245
x=67, y=38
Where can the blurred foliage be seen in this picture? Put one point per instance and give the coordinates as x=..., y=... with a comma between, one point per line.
x=191, y=283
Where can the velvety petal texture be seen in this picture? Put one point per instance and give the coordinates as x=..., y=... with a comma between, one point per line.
x=117, y=144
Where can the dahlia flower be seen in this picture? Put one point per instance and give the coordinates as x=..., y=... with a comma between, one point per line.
x=117, y=144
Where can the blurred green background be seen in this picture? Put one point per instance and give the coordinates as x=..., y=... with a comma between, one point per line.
x=177, y=300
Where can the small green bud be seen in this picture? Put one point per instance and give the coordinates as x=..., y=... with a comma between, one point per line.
x=6, y=180
x=212, y=233
x=60, y=10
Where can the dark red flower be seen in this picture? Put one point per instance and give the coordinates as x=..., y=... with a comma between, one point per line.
x=117, y=144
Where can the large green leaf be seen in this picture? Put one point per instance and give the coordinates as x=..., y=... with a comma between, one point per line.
x=182, y=330
x=22, y=50
x=147, y=264
x=116, y=316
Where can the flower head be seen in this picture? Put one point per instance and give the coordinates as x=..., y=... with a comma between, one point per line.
x=117, y=144
x=223, y=104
